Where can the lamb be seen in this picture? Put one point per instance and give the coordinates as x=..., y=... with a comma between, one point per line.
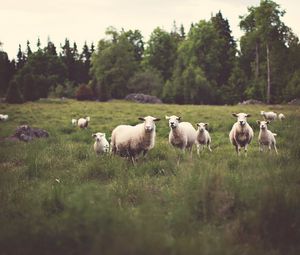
x=101, y=145
x=3, y=117
x=281, y=116
x=83, y=122
x=266, y=137
x=241, y=133
x=182, y=134
x=131, y=141
x=74, y=122
x=270, y=116
x=202, y=137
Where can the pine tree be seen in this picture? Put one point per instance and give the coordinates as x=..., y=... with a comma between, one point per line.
x=13, y=95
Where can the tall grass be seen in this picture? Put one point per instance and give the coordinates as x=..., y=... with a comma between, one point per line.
x=58, y=197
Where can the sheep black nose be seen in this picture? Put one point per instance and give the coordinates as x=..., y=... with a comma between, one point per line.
x=242, y=122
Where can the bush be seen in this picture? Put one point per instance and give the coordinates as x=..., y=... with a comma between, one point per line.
x=14, y=95
x=84, y=93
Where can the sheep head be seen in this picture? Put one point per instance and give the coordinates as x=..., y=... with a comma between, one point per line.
x=173, y=121
x=98, y=136
x=241, y=118
x=263, y=124
x=149, y=123
x=202, y=126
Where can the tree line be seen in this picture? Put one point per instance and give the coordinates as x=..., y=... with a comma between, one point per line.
x=203, y=66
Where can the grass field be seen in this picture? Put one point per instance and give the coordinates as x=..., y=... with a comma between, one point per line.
x=58, y=197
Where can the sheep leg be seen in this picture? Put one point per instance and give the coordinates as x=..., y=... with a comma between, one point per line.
x=209, y=148
x=260, y=147
x=275, y=148
x=246, y=149
x=238, y=148
x=145, y=152
x=198, y=149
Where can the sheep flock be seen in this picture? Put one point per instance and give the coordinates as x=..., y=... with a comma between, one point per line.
x=132, y=141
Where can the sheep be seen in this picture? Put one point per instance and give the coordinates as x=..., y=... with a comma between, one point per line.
x=3, y=117
x=281, y=116
x=270, y=116
x=202, y=137
x=265, y=136
x=74, y=122
x=101, y=145
x=241, y=133
x=83, y=122
x=131, y=141
x=182, y=134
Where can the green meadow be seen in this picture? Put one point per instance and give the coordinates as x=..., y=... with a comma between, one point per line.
x=58, y=197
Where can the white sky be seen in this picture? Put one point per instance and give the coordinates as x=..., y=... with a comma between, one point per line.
x=87, y=20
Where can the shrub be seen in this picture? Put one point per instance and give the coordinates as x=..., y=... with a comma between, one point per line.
x=84, y=93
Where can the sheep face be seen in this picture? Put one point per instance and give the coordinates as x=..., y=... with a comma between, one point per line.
x=263, y=124
x=98, y=136
x=74, y=122
x=88, y=118
x=173, y=121
x=202, y=126
x=149, y=123
x=241, y=118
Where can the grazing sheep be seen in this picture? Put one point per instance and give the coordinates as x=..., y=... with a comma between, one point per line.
x=130, y=141
x=270, y=116
x=281, y=116
x=265, y=136
x=83, y=122
x=101, y=145
x=202, y=137
x=74, y=122
x=182, y=134
x=3, y=117
x=241, y=133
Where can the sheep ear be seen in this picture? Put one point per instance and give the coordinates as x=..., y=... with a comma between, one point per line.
x=258, y=122
x=93, y=135
x=179, y=118
x=157, y=119
x=248, y=115
x=268, y=122
x=142, y=119
x=206, y=125
x=197, y=124
x=167, y=117
x=234, y=114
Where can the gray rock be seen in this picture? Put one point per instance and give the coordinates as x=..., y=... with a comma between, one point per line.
x=142, y=98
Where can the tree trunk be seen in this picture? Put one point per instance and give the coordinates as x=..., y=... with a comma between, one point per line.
x=269, y=74
x=256, y=61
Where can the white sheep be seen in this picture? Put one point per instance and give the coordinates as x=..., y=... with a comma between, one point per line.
x=202, y=137
x=130, y=141
x=182, y=134
x=241, y=133
x=265, y=136
x=270, y=116
x=74, y=122
x=281, y=116
x=101, y=145
x=83, y=122
x=3, y=117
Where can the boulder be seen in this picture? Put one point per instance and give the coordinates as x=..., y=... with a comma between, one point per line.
x=142, y=98
x=26, y=133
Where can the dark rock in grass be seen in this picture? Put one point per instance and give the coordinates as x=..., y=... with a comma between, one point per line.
x=26, y=133
x=252, y=101
x=144, y=99
x=295, y=101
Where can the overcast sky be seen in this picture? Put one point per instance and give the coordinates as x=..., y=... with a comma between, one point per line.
x=87, y=20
